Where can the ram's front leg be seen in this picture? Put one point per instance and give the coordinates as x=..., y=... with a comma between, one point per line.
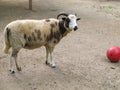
x=47, y=55
x=52, y=63
x=49, y=51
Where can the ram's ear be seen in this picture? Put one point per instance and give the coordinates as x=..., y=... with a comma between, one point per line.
x=63, y=18
x=78, y=19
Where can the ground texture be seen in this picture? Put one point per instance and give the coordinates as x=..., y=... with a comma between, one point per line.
x=80, y=56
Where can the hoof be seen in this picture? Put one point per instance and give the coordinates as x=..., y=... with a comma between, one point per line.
x=47, y=63
x=12, y=72
x=53, y=66
x=19, y=69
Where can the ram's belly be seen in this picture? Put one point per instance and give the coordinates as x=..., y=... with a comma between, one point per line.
x=33, y=45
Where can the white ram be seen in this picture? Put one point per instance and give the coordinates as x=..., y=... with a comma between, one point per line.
x=32, y=34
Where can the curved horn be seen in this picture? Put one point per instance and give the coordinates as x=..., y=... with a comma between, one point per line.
x=64, y=14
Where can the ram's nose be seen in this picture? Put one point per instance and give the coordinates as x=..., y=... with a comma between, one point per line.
x=75, y=28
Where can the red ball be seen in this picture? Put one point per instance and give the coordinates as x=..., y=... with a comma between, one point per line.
x=113, y=53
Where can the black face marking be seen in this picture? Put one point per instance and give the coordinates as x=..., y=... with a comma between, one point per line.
x=33, y=36
x=62, y=28
x=47, y=20
x=67, y=22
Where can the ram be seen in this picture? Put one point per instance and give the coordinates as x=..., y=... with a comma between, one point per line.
x=31, y=34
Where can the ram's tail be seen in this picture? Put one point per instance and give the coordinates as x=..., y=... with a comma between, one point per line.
x=7, y=46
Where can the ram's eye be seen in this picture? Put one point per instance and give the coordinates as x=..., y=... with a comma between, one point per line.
x=63, y=18
x=67, y=20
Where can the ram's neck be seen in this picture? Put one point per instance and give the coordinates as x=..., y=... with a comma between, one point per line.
x=62, y=29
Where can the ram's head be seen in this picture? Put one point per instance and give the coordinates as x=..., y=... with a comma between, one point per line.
x=70, y=21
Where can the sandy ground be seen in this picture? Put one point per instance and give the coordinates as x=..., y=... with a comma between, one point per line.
x=80, y=56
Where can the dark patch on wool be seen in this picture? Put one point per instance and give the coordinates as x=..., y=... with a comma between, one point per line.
x=47, y=20
x=33, y=36
x=44, y=35
x=56, y=23
x=29, y=38
x=49, y=37
x=57, y=35
x=8, y=33
x=25, y=36
x=38, y=34
x=55, y=41
x=26, y=45
x=35, y=31
x=52, y=25
x=62, y=29
x=53, y=35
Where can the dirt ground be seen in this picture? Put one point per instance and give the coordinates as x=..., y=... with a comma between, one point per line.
x=80, y=56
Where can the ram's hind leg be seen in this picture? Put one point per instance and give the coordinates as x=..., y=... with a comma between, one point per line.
x=11, y=64
x=6, y=48
x=13, y=57
x=17, y=66
x=47, y=54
